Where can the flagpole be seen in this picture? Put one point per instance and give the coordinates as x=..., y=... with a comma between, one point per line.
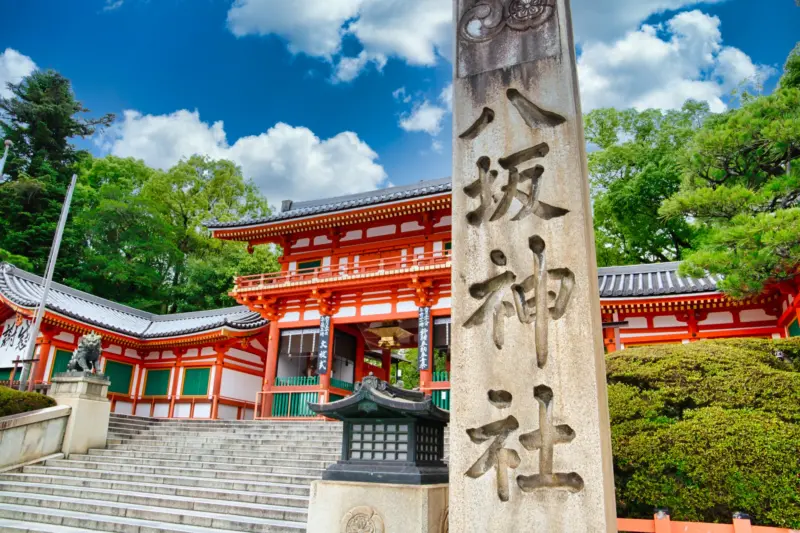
x=48, y=281
x=8, y=144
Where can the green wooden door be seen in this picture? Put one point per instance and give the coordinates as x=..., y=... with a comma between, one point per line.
x=120, y=375
x=195, y=381
x=794, y=329
x=60, y=362
x=157, y=382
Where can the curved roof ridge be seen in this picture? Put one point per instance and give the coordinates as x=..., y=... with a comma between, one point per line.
x=340, y=203
x=25, y=289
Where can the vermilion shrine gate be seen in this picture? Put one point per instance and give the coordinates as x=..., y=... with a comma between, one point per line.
x=377, y=264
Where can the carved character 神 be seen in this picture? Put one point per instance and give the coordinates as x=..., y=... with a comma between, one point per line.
x=86, y=356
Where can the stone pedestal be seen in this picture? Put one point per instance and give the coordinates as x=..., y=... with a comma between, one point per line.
x=352, y=507
x=87, y=394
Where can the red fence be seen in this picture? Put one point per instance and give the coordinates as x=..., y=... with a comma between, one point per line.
x=661, y=523
x=387, y=265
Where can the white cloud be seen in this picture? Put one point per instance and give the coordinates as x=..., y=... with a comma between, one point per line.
x=111, y=5
x=608, y=20
x=13, y=67
x=662, y=67
x=446, y=97
x=285, y=162
x=425, y=117
x=313, y=27
x=416, y=32
x=401, y=95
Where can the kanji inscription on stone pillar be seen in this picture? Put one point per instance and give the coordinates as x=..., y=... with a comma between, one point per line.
x=530, y=436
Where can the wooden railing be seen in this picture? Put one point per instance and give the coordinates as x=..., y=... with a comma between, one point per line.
x=661, y=523
x=372, y=267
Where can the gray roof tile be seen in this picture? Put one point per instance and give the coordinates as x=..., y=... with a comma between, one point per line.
x=341, y=203
x=25, y=289
x=641, y=281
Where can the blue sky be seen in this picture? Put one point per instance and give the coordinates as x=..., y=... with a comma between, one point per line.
x=306, y=96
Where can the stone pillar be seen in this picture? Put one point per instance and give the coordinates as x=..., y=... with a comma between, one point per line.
x=424, y=348
x=87, y=394
x=530, y=443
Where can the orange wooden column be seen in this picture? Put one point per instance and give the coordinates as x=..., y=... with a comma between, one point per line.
x=270, y=366
x=175, y=380
x=137, y=384
x=45, y=347
x=663, y=523
x=217, y=381
x=386, y=365
x=360, y=350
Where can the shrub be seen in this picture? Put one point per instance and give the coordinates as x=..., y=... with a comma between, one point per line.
x=13, y=402
x=707, y=429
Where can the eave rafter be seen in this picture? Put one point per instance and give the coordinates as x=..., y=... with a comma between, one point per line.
x=277, y=232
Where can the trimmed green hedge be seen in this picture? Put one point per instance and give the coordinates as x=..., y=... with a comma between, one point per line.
x=707, y=429
x=13, y=402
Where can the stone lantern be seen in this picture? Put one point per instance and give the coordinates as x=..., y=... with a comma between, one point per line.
x=391, y=476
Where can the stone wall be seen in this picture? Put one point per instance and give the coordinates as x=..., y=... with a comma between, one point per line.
x=30, y=436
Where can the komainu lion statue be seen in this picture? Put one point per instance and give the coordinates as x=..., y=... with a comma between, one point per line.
x=86, y=356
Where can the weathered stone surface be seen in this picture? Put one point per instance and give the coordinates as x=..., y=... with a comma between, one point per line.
x=530, y=442
x=30, y=436
x=348, y=507
x=87, y=395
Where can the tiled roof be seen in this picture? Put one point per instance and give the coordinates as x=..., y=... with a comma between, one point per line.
x=25, y=290
x=341, y=203
x=640, y=281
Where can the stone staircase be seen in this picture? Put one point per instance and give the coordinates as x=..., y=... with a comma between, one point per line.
x=176, y=476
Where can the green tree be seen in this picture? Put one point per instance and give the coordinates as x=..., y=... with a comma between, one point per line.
x=741, y=187
x=190, y=193
x=41, y=117
x=137, y=235
x=634, y=169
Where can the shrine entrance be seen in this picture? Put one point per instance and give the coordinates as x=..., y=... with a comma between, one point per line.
x=388, y=350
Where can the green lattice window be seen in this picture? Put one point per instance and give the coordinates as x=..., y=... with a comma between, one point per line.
x=317, y=263
x=120, y=375
x=60, y=362
x=794, y=329
x=157, y=382
x=195, y=381
x=5, y=374
x=448, y=245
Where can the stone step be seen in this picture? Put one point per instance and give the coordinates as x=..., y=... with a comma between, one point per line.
x=228, y=447
x=23, y=526
x=234, y=431
x=200, y=454
x=93, y=509
x=245, y=474
x=270, y=439
x=267, y=494
x=277, y=466
x=217, y=506
x=189, y=482
x=117, y=524
x=250, y=463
